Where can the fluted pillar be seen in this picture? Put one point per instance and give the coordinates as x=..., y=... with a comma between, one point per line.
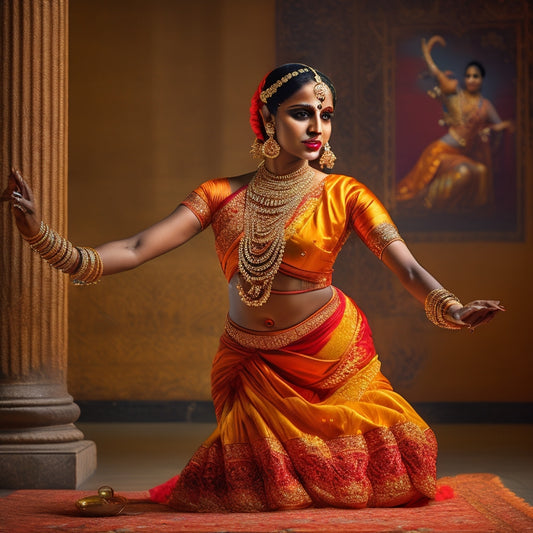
x=40, y=447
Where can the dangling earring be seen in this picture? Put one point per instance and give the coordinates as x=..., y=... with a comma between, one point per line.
x=270, y=146
x=327, y=159
x=256, y=150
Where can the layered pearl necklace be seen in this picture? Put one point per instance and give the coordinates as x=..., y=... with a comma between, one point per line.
x=270, y=202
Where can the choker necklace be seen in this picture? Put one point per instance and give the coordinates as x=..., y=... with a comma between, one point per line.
x=270, y=202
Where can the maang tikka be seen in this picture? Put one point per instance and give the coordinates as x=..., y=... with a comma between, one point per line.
x=320, y=89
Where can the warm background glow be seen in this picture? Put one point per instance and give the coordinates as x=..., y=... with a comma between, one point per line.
x=159, y=97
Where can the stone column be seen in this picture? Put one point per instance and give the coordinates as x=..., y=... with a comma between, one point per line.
x=40, y=447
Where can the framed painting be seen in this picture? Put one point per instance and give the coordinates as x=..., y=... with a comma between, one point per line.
x=386, y=119
x=454, y=174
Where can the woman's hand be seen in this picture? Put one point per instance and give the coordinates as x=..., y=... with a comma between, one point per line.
x=447, y=84
x=20, y=196
x=426, y=51
x=475, y=313
x=508, y=125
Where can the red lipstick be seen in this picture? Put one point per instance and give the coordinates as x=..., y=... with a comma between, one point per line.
x=313, y=145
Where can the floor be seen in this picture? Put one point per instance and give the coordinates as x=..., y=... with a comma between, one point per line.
x=138, y=456
x=135, y=457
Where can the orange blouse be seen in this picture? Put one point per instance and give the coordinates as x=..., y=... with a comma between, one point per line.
x=314, y=235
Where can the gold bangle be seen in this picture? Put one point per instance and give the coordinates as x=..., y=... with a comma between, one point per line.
x=59, y=254
x=55, y=245
x=68, y=261
x=437, y=302
x=41, y=237
x=83, y=264
x=91, y=267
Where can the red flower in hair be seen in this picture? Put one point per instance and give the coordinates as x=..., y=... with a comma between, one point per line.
x=256, y=120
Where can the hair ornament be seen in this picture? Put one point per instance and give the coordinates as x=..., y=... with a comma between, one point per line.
x=267, y=93
x=320, y=89
x=256, y=121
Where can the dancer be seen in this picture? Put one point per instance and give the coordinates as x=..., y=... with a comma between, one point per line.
x=454, y=173
x=304, y=415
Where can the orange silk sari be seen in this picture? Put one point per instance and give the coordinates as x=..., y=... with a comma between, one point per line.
x=305, y=418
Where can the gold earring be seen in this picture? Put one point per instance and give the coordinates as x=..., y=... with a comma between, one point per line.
x=327, y=159
x=270, y=146
x=256, y=149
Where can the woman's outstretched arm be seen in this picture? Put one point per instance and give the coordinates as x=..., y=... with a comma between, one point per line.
x=169, y=233
x=117, y=256
x=447, y=85
x=421, y=283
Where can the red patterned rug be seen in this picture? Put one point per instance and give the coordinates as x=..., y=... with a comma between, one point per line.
x=481, y=503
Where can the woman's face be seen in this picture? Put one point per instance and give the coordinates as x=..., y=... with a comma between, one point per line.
x=473, y=79
x=303, y=123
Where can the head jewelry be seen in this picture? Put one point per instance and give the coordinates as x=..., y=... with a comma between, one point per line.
x=320, y=89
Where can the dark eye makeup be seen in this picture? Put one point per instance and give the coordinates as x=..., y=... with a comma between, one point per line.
x=304, y=113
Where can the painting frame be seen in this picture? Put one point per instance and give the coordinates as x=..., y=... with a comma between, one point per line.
x=503, y=41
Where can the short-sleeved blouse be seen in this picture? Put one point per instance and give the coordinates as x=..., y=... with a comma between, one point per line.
x=314, y=235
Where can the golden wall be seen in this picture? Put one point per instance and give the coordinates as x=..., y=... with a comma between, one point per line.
x=159, y=97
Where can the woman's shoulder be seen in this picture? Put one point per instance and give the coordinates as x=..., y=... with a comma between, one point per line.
x=223, y=186
x=238, y=182
x=352, y=191
x=344, y=181
x=487, y=104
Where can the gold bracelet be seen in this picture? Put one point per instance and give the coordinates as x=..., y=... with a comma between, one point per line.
x=69, y=261
x=40, y=237
x=59, y=255
x=91, y=267
x=83, y=264
x=437, y=303
x=55, y=245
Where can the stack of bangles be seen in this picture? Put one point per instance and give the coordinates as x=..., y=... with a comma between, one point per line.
x=84, y=265
x=437, y=303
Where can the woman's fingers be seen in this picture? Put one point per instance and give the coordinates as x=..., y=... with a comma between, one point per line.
x=481, y=318
x=19, y=193
x=24, y=187
x=22, y=204
x=19, y=180
x=14, y=184
x=480, y=312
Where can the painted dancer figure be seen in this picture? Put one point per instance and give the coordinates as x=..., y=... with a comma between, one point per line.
x=304, y=415
x=454, y=173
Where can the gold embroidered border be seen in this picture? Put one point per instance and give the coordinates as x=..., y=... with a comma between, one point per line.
x=381, y=236
x=227, y=224
x=199, y=207
x=349, y=361
x=355, y=387
x=273, y=340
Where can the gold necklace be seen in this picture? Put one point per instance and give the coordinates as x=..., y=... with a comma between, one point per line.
x=270, y=202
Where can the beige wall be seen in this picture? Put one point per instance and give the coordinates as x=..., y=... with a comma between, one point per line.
x=159, y=97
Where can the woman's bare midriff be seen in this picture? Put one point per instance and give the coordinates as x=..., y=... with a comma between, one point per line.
x=281, y=310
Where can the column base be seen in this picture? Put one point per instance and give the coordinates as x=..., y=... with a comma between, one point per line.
x=46, y=466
